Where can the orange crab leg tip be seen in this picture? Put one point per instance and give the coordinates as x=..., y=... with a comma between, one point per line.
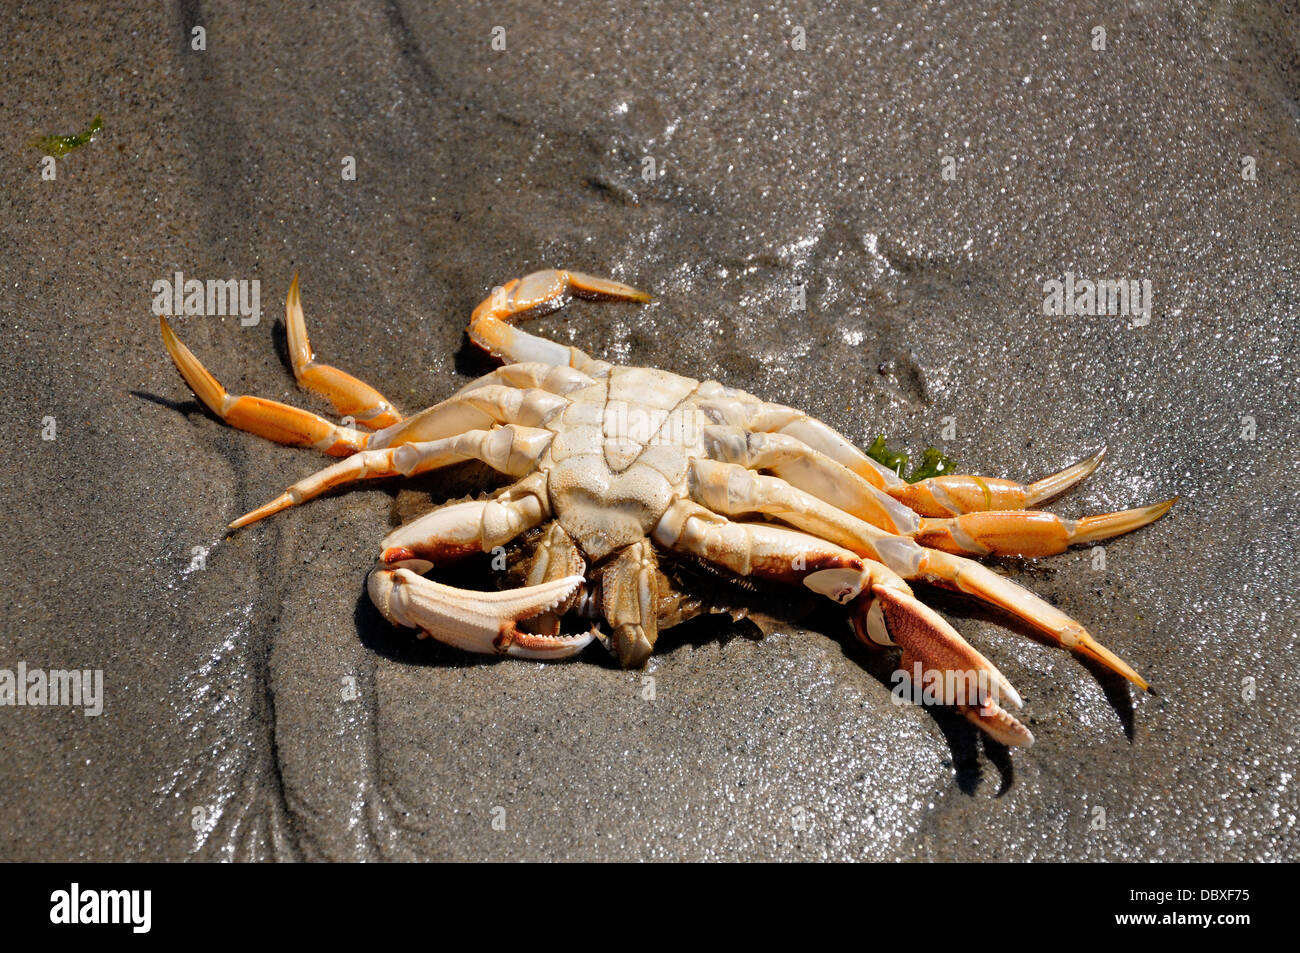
x=281, y=502
x=1055, y=484
x=1106, y=525
x=350, y=395
x=1089, y=647
x=206, y=387
x=585, y=285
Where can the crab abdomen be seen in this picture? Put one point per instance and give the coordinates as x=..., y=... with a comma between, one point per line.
x=619, y=457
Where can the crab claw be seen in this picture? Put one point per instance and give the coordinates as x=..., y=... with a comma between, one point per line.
x=941, y=667
x=476, y=621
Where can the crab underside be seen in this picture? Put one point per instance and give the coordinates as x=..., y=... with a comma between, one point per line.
x=613, y=466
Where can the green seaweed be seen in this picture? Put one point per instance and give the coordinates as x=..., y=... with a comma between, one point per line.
x=886, y=457
x=933, y=462
x=62, y=145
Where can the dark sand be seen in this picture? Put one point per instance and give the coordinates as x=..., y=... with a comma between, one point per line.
x=225, y=686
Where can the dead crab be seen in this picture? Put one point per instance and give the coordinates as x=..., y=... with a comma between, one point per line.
x=613, y=465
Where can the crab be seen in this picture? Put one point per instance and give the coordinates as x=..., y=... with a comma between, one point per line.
x=615, y=467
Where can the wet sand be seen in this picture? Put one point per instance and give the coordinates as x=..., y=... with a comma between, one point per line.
x=259, y=708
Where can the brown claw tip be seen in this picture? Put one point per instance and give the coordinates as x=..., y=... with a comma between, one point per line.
x=397, y=554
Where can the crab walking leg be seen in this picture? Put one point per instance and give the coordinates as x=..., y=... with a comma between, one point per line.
x=542, y=291
x=955, y=494
x=265, y=418
x=882, y=603
x=937, y=496
x=968, y=576
x=451, y=532
x=484, y=622
x=477, y=409
x=1030, y=532
x=724, y=405
x=1010, y=533
x=350, y=396
x=771, y=552
x=732, y=490
x=806, y=469
x=510, y=450
x=548, y=377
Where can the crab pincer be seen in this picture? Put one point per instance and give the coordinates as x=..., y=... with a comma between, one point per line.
x=483, y=622
x=937, y=664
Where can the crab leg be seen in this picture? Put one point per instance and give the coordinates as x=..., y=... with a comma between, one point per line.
x=542, y=291
x=477, y=409
x=806, y=469
x=730, y=489
x=1030, y=532
x=949, y=495
x=510, y=450
x=265, y=418
x=474, y=621
x=884, y=609
x=484, y=622
x=968, y=576
x=547, y=377
x=955, y=494
x=350, y=396
x=950, y=668
x=1015, y=533
x=453, y=531
x=736, y=408
x=771, y=552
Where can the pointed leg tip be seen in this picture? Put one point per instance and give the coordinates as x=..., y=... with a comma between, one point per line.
x=1092, y=649
x=1053, y=485
x=170, y=340
x=281, y=502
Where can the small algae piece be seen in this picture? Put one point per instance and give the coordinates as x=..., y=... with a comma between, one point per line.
x=933, y=462
x=886, y=457
x=62, y=145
